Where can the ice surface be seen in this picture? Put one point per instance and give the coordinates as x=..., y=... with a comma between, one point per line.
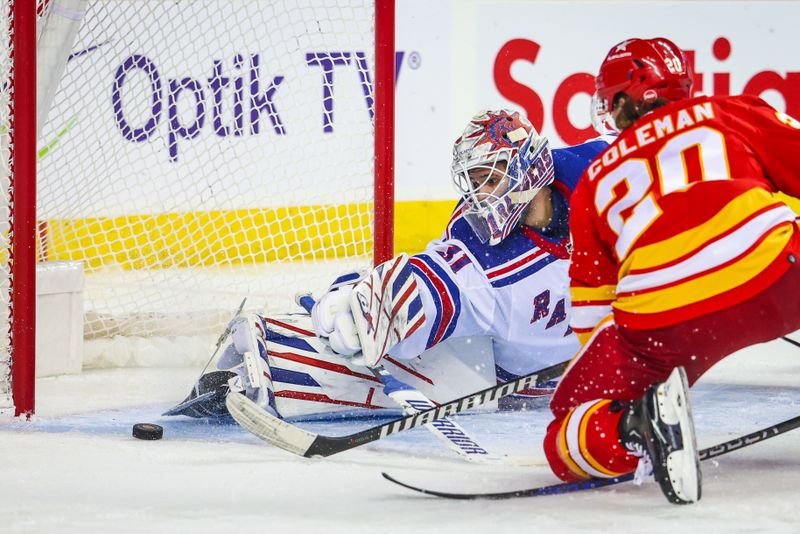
x=76, y=468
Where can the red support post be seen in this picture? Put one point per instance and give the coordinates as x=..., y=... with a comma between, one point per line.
x=384, y=130
x=23, y=207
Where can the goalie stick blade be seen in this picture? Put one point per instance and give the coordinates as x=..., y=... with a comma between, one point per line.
x=592, y=483
x=268, y=427
x=301, y=442
x=445, y=430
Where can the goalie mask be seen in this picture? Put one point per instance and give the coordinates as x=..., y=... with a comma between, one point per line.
x=643, y=69
x=499, y=165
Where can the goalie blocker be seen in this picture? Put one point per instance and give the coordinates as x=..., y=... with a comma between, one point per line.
x=370, y=313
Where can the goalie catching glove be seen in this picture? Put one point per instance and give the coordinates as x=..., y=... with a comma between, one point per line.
x=372, y=313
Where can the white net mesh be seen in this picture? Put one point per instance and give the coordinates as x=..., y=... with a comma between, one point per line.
x=200, y=151
x=195, y=152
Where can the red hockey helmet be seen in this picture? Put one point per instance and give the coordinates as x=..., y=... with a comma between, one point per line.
x=644, y=69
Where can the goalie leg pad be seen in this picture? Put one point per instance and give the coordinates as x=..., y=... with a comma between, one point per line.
x=250, y=362
x=243, y=368
x=312, y=382
x=207, y=398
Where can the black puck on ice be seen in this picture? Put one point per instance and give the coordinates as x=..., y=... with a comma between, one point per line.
x=147, y=431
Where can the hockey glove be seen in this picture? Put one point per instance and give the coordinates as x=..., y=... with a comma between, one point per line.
x=333, y=320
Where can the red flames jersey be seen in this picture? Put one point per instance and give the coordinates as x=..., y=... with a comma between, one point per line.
x=678, y=217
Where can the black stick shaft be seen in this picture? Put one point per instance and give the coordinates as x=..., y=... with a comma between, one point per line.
x=592, y=483
x=792, y=341
x=328, y=445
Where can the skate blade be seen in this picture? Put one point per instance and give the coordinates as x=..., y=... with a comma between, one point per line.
x=683, y=465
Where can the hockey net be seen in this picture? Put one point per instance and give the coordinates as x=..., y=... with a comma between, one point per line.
x=192, y=153
x=7, y=77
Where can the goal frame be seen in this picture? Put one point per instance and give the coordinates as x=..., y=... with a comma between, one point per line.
x=22, y=186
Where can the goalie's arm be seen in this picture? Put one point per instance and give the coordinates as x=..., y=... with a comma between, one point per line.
x=387, y=308
x=438, y=306
x=403, y=307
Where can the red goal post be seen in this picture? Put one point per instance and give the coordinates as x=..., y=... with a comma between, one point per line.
x=219, y=125
x=19, y=365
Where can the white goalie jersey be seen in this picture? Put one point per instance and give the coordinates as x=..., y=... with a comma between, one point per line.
x=491, y=313
x=515, y=292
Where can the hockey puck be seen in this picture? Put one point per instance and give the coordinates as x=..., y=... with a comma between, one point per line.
x=147, y=431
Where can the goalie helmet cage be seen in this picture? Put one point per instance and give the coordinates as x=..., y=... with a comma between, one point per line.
x=189, y=153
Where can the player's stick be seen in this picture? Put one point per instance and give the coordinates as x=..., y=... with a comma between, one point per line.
x=413, y=401
x=304, y=443
x=791, y=341
x=592, y=483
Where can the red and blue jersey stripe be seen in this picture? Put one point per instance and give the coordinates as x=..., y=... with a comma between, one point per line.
x=445, y=294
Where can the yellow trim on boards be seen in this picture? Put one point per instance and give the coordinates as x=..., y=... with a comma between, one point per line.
x=235, y=237
x=231, y=237
x=418, y=222
x=203, y=239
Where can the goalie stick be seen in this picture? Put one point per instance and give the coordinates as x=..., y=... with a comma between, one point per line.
x=294, y=439
x=569, y=487
x=224, y=335
x=445, y=430
x=413, y=401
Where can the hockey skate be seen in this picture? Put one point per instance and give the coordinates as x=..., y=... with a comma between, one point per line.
x=242, y=369
x=659, y=429
x=207, y=398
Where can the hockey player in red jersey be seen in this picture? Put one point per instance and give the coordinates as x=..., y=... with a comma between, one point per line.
x=682, y=254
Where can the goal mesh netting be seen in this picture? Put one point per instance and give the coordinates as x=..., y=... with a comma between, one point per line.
x=196, y=152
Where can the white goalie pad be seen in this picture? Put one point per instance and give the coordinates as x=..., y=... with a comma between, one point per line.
x=311, y=381
x=386, y=308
